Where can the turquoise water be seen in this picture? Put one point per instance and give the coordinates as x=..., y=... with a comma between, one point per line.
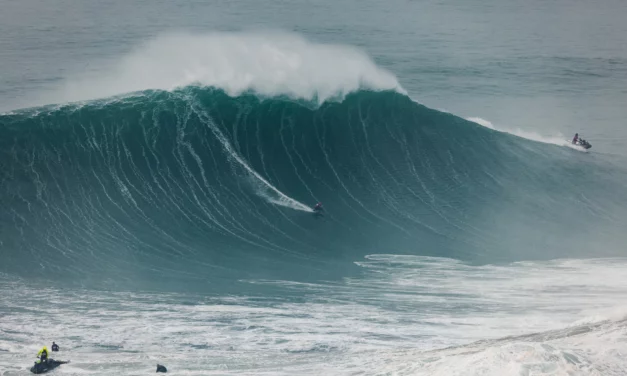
x=159, y=163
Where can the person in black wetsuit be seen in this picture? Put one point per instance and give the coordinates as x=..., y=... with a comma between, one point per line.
x=161, y=368
x=55, y=347
x=318, y=210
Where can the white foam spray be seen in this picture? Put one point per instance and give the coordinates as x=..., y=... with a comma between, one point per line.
x=268, y=63
x=405, y=315
x=270, y=193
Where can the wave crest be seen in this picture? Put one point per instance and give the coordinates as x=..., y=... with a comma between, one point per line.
x=268, y=63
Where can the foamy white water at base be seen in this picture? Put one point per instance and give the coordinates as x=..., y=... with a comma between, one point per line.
x=404, y=315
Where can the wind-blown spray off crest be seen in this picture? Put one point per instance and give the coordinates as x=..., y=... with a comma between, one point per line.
x=269, y=64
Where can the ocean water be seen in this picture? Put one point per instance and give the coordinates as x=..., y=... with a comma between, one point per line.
x=159, y=162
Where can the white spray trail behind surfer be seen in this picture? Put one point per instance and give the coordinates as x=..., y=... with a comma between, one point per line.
x=263, y=188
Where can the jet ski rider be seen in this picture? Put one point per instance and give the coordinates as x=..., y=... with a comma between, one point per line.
x=43, y=354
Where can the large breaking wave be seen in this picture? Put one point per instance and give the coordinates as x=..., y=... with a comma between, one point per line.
x=214, y=180
x=196, y=183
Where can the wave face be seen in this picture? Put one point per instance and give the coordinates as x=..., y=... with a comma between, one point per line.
x=199, y=185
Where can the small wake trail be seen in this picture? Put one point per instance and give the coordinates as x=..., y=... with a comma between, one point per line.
x=559, y=140
x=269, y=192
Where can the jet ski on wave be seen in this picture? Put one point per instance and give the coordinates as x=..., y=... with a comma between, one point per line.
x=581, y=142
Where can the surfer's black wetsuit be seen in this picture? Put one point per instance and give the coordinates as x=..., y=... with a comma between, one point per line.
x=318, y=209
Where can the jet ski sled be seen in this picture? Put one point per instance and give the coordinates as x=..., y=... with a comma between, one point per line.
x=583, y=143
x=46, y=366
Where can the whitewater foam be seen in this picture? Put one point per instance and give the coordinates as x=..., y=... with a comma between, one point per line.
x=407, y=315
x=267, y=63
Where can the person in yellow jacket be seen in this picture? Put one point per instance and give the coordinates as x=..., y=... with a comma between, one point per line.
x=43, y=354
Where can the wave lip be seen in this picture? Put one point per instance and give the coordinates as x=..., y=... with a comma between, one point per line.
x=267, y=63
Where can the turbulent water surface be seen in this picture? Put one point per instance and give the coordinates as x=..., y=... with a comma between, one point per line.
x=156, y=189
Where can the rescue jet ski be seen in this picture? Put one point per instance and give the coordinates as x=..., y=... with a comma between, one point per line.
x=583, y=143
x=46, y=366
